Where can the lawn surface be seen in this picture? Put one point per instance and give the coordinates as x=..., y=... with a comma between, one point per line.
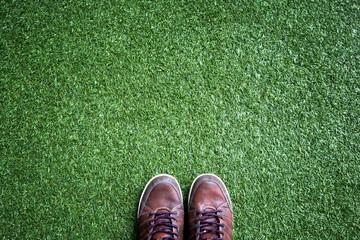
x=99, y=96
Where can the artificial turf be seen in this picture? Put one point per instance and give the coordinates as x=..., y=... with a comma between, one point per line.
x=99, y=96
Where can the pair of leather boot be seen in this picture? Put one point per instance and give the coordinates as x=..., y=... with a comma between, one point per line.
x=161, y=211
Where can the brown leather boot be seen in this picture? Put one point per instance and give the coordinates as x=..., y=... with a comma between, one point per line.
x=161, y=210
x=210, y=210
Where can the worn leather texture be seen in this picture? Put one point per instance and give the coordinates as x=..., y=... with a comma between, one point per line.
x=208, y=192
x=162, y=194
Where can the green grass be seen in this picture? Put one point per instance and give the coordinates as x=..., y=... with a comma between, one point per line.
x=99, y=96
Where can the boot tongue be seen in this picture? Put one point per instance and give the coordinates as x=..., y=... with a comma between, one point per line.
x=159, y=236
x=209, y=235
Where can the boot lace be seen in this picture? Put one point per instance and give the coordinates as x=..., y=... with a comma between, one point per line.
x=161, y=223
x=207, y=227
